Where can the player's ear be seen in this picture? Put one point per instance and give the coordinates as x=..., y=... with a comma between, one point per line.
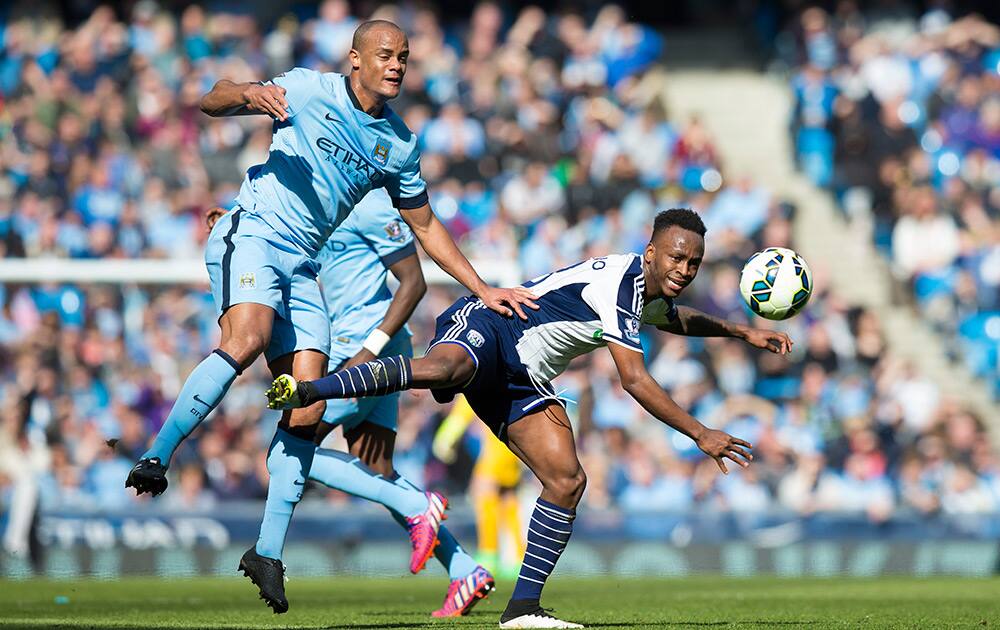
x=355, y=58
x=650, y=252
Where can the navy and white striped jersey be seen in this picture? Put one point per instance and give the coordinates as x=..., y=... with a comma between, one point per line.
x=582, y=308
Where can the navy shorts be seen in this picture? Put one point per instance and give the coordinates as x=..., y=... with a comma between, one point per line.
x=501, y=391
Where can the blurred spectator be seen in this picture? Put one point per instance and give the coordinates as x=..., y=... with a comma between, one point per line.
x=924, y=243
x=915, y=97
x=857, y=489
x=531, y=196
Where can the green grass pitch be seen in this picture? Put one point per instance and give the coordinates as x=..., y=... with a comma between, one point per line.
x=596, y=602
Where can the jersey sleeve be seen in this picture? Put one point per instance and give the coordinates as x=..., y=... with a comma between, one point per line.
x=659, y=312
x=408, y=189
x=300, y=84
x=618, y=303
x=391, y=239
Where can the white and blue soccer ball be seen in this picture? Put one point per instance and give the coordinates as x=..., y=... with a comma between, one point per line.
x=776, y=283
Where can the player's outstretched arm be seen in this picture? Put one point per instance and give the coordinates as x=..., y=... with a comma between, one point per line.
x=242, y=99
x=412, y=288
x=439, y=245
x=693, y=323
x=718, y=445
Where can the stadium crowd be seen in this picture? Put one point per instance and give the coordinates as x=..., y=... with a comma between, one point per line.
x=544, y=141
x=900, y=114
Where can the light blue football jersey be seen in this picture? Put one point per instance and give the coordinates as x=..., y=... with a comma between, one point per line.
x=355, y=266
x=326, y=157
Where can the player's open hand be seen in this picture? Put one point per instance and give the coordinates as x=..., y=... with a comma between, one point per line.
x=495, y=299
x=267, y=99
x=772, y=340
x=721, y=446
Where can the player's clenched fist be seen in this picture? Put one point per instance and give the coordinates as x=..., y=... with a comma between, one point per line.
x=266, y=99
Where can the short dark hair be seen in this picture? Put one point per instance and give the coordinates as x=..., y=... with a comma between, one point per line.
x=364, y=27
x=684, y=218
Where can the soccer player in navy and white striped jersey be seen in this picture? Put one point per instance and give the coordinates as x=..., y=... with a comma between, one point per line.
x=504, y=368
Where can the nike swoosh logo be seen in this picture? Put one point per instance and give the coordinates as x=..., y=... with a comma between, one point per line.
x=298, y=483
x=332, y=119
x=201, y=401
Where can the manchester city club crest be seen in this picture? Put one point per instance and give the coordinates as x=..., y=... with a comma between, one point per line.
x=248, y=280
x=394, y=231
x=381, y=152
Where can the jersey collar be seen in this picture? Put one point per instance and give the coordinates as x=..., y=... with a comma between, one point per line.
x=357, y=104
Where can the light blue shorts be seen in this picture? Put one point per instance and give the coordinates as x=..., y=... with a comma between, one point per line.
x=247, y=262
x=380, y=410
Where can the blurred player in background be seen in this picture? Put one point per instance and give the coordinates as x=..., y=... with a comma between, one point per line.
x=334, y=140
x=505, y=368
x=493, y=489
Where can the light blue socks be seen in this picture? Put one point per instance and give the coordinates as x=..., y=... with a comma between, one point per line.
x=342, y=471
x=202, y=392
x=288, y=460
x=345, y=472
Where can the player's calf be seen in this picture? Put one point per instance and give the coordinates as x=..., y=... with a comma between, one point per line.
x=447, y=365
x=290, y=456
x=544, y=441
x=202, y=392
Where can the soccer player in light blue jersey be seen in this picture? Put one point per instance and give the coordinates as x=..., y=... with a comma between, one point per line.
x=334, y=140
x=368, y=321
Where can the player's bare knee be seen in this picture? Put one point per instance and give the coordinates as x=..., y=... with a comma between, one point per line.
x=567, y=487
x=310, y=416
x=575, y=485
x=313, y=414
x=245, y=346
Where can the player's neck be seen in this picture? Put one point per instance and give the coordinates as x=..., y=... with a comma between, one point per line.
x=368, y=102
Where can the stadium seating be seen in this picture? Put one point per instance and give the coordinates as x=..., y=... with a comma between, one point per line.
x=915, y=96
x=103, y=154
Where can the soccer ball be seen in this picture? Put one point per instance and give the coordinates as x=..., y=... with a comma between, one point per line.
x=776, y=283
